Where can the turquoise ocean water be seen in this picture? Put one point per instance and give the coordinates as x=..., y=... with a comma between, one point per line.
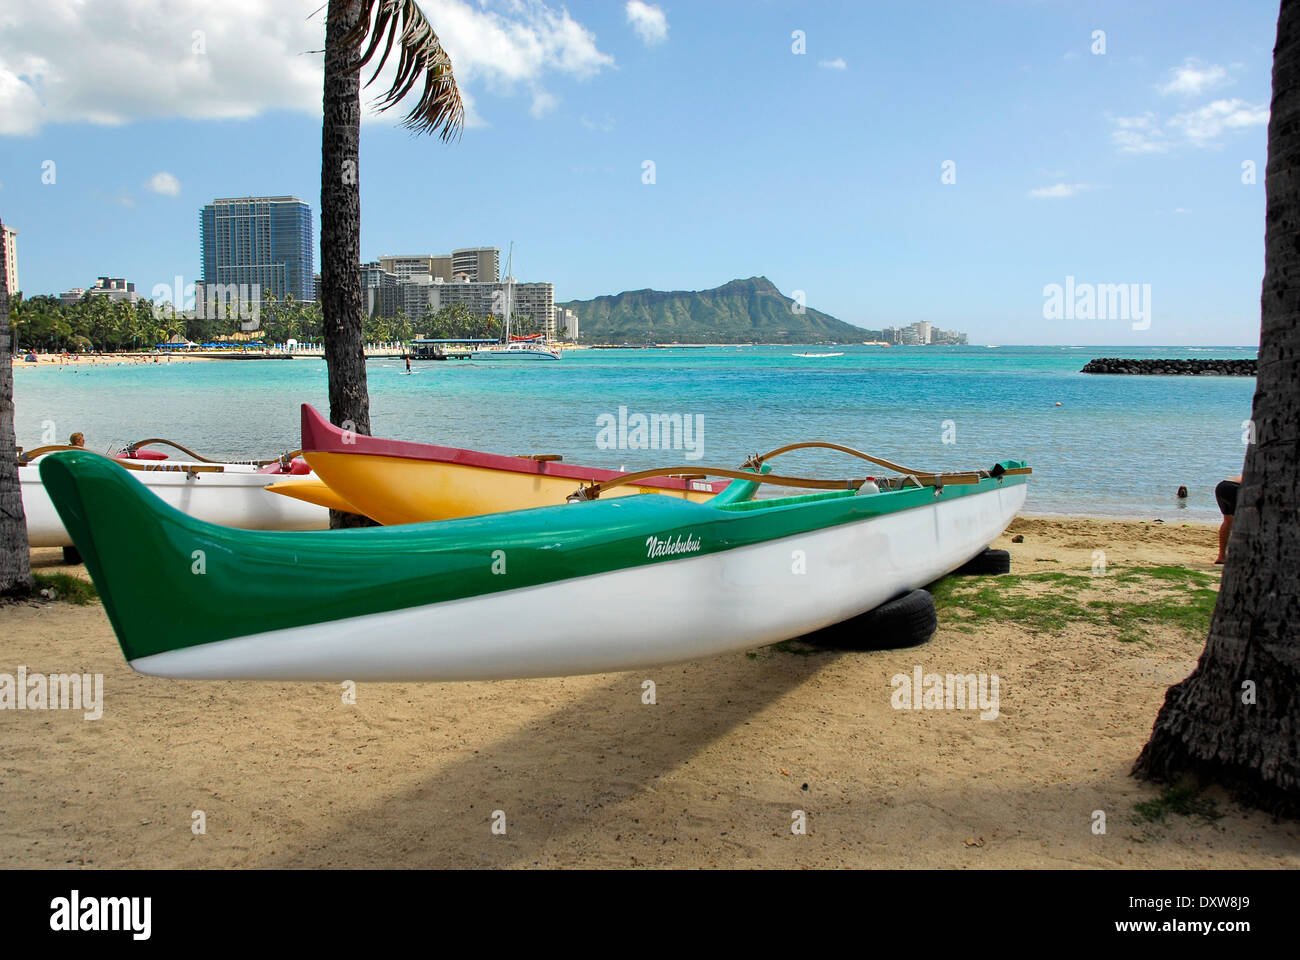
x=1117, y=445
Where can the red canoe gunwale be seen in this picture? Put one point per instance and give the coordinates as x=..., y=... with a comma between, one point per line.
x=321, y=436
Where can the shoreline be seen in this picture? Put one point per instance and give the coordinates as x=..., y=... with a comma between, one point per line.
x=1120, y=518
x=49, y=359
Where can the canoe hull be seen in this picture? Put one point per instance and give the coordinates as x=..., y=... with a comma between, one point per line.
x=228, y=499
x=635, y=618
x=396, y=490
x=311, y=489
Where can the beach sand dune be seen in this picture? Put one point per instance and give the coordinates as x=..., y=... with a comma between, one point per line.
x=586, y=774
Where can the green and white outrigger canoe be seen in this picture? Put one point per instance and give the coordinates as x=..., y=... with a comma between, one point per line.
x=604, y=585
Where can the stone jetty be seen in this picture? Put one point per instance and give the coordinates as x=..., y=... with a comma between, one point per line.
x=1204, y=368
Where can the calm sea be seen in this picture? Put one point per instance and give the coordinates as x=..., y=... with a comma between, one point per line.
x=1116, y=445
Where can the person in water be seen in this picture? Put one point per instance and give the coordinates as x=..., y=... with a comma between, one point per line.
x=78, y=439
x=1226, y=493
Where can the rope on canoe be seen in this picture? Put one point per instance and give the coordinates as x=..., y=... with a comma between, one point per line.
x=594, y=490
x=756, y=461
x=148, y=465
x=131, y=448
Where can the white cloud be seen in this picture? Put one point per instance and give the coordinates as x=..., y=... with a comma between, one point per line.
x=836, y=64
x=543, y=103
x=1139, y=134
x=1203, y=127
x=164, y=183
x=1193, y=78
x=118, y=61
x=649, y=22
x=600, y=126
x=1058, y=190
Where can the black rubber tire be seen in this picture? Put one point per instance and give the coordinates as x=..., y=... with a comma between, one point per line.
x=71, y=555
x=905, y=621
x=988, y=563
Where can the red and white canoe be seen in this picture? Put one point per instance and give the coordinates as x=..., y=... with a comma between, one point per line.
x=229, y=494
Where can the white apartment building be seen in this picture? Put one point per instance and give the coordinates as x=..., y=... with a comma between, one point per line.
x=11, y=259
x=476, y=264
x=533, y=300
x=566, y=324
x=406, y=266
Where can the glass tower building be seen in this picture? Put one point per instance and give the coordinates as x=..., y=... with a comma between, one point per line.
x=262, y=240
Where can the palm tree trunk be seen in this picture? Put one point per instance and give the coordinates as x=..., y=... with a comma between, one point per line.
x=340, y=235
x=15, y=555
x=1236, y=719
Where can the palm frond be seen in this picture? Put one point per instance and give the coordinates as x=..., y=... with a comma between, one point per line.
x=402, y=23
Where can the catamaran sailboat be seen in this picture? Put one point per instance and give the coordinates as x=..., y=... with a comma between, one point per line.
x=521, y=349
x=516, y=348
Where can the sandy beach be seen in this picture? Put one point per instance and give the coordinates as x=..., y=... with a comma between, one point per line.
x=586, y=774
x=46, y=360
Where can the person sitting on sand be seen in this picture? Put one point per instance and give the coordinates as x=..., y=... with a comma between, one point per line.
x=1226, y=494
x=78, y=439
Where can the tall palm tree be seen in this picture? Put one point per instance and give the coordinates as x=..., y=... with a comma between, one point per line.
x=1235, y=720
x=354, y=31
x=15, y=557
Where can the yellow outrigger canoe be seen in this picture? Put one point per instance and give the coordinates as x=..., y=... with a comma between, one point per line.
x=397, y=481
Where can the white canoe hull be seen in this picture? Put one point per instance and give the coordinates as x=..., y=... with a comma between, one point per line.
x=232, y=499
x=627, y=619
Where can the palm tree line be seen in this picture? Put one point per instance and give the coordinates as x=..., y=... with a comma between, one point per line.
x=49, y=324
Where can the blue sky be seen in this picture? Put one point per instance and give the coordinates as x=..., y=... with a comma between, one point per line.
x=822, y=170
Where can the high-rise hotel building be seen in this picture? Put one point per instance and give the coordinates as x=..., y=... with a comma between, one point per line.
x=259, y=240
x=475, y=264
x=11, y=259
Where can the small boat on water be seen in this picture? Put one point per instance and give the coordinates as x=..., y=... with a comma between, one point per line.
x=518, y=350
x=839, y=354
x=588, y=587
x=230, y=494
x=397, y=481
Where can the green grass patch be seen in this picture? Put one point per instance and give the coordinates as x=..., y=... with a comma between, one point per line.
x=796, y=648
x=1131, y=601
x=1183, y=800
x=67, y=588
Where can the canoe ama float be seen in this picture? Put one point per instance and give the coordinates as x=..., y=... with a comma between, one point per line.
x=398, y=481
x=605, y=585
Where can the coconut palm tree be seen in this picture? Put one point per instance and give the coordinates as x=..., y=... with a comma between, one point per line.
x=15, y=557
x=1234, y=721
x=354, y=33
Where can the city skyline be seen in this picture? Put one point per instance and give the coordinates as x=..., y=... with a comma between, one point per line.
x=1016, y=149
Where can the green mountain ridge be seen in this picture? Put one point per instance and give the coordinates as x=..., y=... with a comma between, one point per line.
x=741, y=311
